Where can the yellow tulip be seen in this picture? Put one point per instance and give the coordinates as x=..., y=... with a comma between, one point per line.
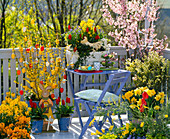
x=157, y=107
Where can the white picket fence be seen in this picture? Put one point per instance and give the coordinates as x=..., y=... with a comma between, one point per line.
x=8, y=74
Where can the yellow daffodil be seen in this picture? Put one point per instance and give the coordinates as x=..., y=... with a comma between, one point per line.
x=166, y=116
x=133, y=106
x=162, y=101
x=162, y=95
x=137, y=92
x=158, y=97
x=133, y=100
x=142, y=124
x=157, y=107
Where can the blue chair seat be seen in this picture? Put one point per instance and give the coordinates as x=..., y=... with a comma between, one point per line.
x=94, y=94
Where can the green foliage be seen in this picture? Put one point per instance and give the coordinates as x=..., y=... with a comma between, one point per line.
x=63, y=109
x=37, y=112
x=151, y=71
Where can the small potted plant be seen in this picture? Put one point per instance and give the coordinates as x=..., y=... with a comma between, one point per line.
x=108, y=59
x=63, y=111
x=37, y=117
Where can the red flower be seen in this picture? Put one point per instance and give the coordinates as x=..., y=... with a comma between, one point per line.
x=41, y=82
x=80, y=35
x=18, y=72
x=31, y=104
x=61, y=90
x=65, y=76
x=69, y=27
x=75, y=49
x=95, y=30
x=57, y=101
x=34, y=105
x=67, y=100
x=145, y=95
x=144, y=102
x=63, y=102
x=28, y=50
x=21, y=92
x=87, y=29
x=97, y=37
x=36, y=46
x=42, y=48
x=42, y=106
x=141, y=108
x=52, y=95
x=69, y=37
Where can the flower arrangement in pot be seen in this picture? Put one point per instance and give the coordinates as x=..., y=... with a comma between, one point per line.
x=85, y=39
x=37, y=117
x=108, y=59
x=62, y=112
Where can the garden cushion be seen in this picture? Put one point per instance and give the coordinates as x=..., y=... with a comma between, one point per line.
x=94, y=94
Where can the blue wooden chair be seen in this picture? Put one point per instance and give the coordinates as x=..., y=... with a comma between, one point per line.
x=96, y=98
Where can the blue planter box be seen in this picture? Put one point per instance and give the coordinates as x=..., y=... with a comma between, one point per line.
x=64, y=124
x=37, y=126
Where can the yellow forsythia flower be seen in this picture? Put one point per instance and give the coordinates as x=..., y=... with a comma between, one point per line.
x=12, y=94
x=142, y=124
x=166, y=116
x=157, y=107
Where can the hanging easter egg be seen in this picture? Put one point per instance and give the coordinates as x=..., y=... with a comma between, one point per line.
x=52, y=72
x=65, y=76
x=18, y=72
x=61, y=90
x=47, y=63
x=52, y=95
x=21, y=60
x=23, y=70
x=28, y=50
x=36, y=60
x=42, y=48
x=51, y=60
x=13, y=56
x=21, y=92
x=41, y=82
x=64, y=81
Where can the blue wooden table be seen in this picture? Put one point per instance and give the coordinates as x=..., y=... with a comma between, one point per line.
x=115, y=77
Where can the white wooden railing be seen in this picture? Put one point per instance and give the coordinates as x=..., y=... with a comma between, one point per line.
x=8, y=74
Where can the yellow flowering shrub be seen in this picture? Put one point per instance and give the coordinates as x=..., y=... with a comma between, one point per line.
x=151, y=71
x=14, y=119
x=40, y=65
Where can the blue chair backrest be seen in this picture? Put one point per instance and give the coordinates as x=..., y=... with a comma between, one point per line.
x=117, y=80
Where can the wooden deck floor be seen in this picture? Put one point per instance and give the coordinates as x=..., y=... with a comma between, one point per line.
x=74, y=130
